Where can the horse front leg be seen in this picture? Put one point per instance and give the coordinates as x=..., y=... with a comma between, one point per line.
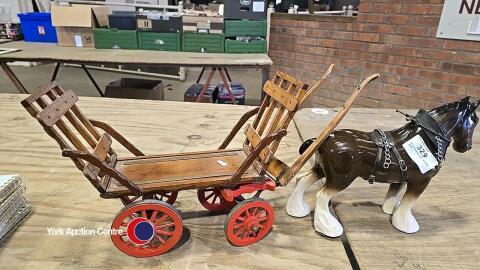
x=402, y=218
x=392, y=198
x=296, y=205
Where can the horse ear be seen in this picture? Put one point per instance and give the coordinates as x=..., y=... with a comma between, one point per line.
x=465, y=99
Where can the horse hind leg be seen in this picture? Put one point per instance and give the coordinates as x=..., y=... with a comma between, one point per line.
x=402, y=218
x=296, y=205
x=324, y=222
x=392, y=199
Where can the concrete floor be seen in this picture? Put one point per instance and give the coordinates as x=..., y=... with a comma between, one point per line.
x=75, y=78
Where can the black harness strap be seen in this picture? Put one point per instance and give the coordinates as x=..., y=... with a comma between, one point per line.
x=433, y=131
x=385, y=145
x=378, y=160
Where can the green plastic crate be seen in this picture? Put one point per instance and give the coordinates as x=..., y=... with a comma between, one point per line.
x=159, y=41
x=115, y=39
x=254, y=46
x=236, y=28
x=202, y=42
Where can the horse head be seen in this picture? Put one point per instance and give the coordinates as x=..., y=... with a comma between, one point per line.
x=463, y=132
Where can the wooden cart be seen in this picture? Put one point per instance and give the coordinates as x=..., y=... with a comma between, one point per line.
x=149, y=224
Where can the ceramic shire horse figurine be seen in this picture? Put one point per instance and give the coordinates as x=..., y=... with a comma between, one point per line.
x=348, y=154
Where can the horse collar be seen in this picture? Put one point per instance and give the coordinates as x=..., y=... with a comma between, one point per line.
x=433, y=131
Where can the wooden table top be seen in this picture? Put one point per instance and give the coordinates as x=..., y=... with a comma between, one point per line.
x=448, y=211
x=49, y=52
x=62, y=197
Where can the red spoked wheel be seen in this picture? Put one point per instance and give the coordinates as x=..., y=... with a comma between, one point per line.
x=249, y=222
x=168, y=197
x=147, y=228
x=212, y=199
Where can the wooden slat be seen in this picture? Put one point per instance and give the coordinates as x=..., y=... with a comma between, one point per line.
x=277, y=167
x=59, y=91
x=274, y=125
x=100, y=151
x=106, y=180
x=54, y=112
x=266, y=117
x=257, y=165
x=75, y=123
x=36, y=95
x=103, y=147
x=288, y=100
x=288, y=78
x=64, y=128
x=255, y=139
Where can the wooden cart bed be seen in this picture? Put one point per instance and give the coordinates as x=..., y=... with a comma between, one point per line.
x=172, y=172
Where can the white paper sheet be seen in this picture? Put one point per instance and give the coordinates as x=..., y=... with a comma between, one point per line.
x=258, y=6
x=420, y=154
x=78, y=41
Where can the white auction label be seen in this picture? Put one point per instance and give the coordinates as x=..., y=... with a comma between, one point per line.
x=420, y=154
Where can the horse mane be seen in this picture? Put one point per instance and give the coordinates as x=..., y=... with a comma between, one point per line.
x=440, y=113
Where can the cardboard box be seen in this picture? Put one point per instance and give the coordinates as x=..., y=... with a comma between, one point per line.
x=134, y=88
x=75, y=24
x=202, y=24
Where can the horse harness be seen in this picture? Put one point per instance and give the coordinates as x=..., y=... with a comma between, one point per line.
x=386, y=144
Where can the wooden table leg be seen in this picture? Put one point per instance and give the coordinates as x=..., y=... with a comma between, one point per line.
x=207, y=83
x=13, y=78
x=226, y=84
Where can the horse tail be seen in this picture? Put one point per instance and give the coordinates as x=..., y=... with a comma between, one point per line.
x=305, y=145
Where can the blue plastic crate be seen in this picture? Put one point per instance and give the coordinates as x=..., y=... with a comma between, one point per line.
x=37, y=27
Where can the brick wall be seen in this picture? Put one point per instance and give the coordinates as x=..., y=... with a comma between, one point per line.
x=395, y=38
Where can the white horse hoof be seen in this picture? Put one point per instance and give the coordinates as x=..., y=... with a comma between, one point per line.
x=328, y=226
x=297, y=208
x=389, y=205
x=405, y=223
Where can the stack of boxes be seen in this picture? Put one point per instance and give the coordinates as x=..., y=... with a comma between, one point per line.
x=243, y=30
x=159, y=31
x=203, y=34
x=122, y=33
x=245, y=26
